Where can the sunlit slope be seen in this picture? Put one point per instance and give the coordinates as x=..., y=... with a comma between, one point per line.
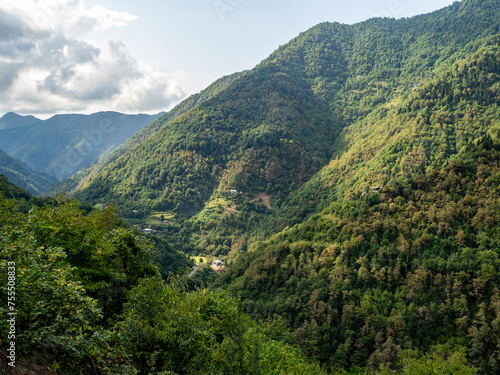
x=337, y=110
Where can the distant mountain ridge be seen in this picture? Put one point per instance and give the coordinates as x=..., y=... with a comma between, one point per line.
x=63, y=144
x=12, y=120
x=23, y=176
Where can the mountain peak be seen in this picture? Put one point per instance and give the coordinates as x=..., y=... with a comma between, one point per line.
x=13, y=120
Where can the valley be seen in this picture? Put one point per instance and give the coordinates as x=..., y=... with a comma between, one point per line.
x=334, y=210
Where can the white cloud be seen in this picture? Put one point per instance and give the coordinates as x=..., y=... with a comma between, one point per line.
x=49, y=64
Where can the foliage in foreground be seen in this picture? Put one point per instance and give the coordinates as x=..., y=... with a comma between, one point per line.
x=164, y=328
x=89, y=300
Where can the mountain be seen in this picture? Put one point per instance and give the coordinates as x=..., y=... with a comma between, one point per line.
x=368, y=279
x=23, y=176
x=351, y=181
x=21, y=197
x=395, y=243
x=271, y=130
x=12, y=120
x=75, y=182
x=63, y=144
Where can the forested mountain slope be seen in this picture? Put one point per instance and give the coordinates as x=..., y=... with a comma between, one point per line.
x=77, y=181
x=85, y=296
x=255, y=124
x=411, y=134
x=356, y=173
x=414, y=267
x=337, y=97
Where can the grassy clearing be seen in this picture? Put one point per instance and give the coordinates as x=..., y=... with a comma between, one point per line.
x=155, y=217
x=219, y=202
x=99, y=206
x=216, y=206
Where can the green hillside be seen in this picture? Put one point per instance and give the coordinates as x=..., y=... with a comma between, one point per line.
x=411, y=134
x=351, y=182
x=413, y=267
x=21, y=197
x=377, y=274
x=179, y=167
x=329, y=100
x=77, y=181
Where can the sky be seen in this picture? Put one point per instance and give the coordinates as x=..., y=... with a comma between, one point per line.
x=145, y=56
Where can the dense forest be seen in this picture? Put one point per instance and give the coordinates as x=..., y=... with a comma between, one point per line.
x=89, y=299
x=316, y=114
x=351, y=183
x=414, y=267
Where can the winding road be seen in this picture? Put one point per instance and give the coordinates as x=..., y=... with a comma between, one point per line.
x=195, y=268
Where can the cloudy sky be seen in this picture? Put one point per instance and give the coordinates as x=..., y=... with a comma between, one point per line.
x=83, y=56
